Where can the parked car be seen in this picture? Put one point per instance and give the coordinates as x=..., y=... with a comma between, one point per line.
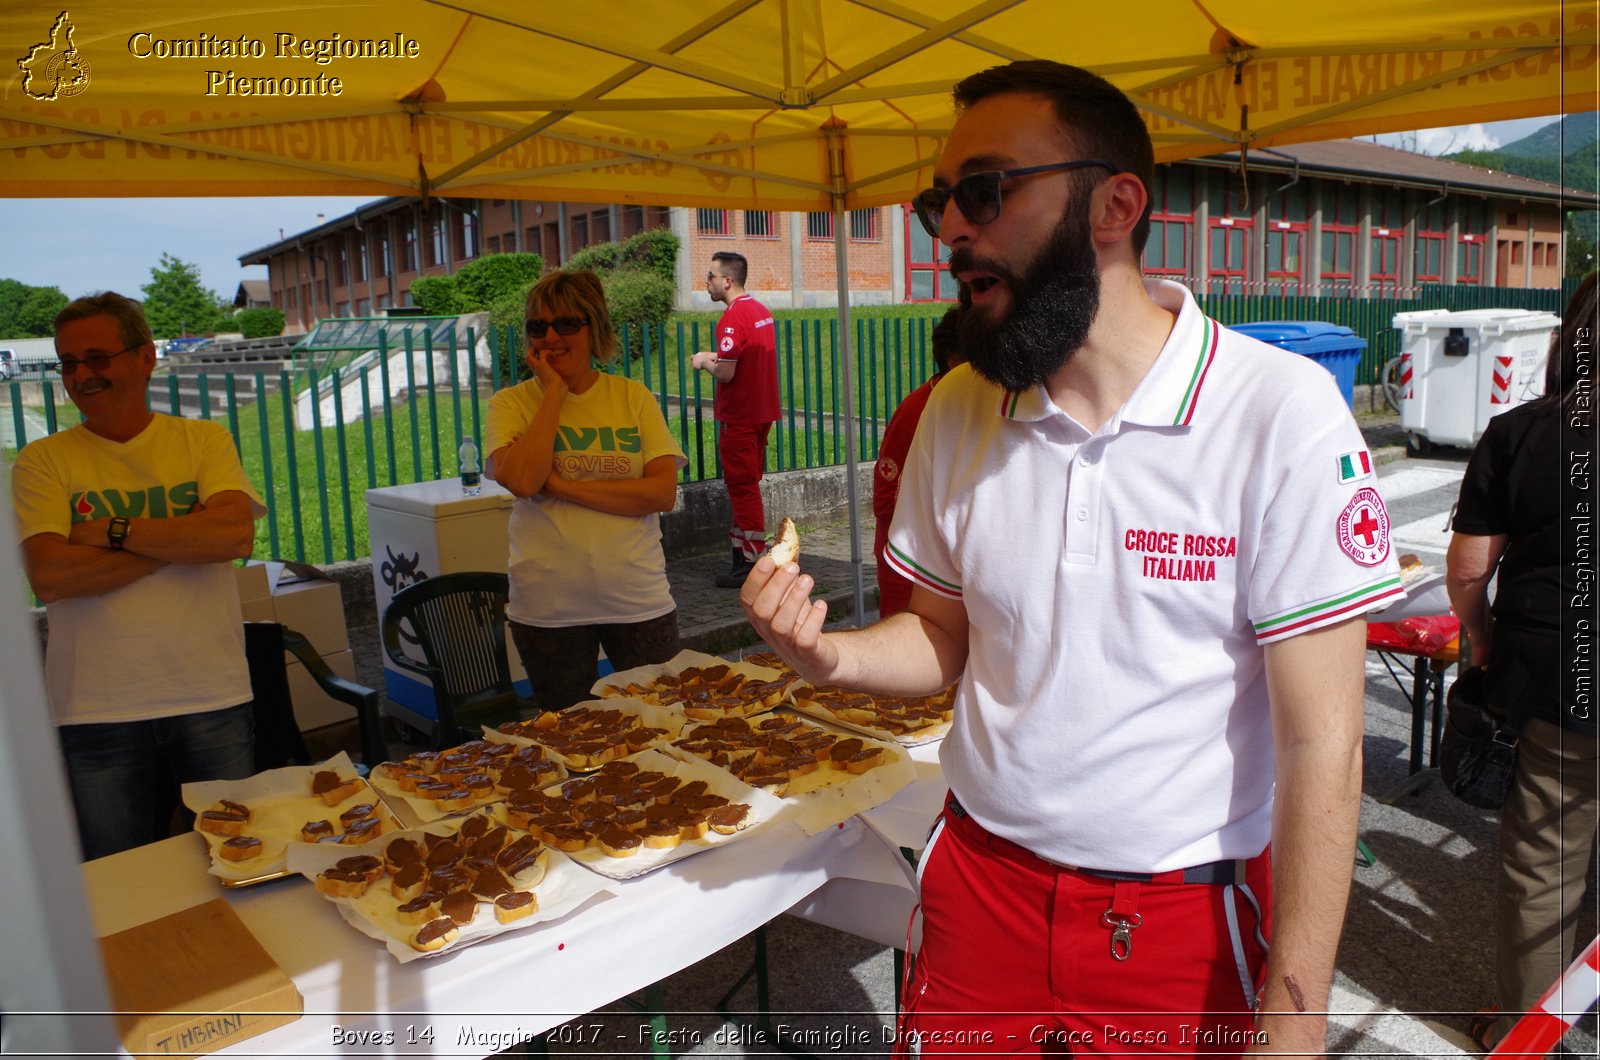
x=8, y=363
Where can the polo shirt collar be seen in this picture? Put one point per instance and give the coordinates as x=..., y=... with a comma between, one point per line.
x=1169, y=394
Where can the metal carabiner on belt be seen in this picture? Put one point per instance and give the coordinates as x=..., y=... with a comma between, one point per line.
x=1121, y=932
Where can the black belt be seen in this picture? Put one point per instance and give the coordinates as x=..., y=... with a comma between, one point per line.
x=1230, y=870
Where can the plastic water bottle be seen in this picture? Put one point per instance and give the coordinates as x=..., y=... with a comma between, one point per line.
x=471, y=469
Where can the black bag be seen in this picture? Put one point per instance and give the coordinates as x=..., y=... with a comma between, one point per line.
x=1478, y=750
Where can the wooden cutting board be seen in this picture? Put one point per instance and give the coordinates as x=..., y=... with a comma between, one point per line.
x=194, y=982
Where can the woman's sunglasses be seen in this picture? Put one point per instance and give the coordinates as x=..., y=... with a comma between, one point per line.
x=978, y=194
x=560, y=325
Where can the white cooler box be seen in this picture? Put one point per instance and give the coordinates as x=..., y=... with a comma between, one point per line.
x=425, y=529
x=1460, y=369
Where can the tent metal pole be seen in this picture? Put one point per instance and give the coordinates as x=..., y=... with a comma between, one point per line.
x=846, y=365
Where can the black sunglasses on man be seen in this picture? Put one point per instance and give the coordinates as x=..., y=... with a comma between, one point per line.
x=978, y=194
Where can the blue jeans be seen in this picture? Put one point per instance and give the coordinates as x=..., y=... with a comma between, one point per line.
x=125, y=775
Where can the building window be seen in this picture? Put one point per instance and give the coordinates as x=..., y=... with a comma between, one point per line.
x=819, y=225
x=437, y=236
x=1286, y=243
x=927, y=260
x=711, y=222
x=1473, y=227
x=494, y=244
x=363, y=307
x=467, y=229
x=760, y=224
x=580, y=231
x=632, y=221
x=600, y=226
x=1339, y=256
x=1169, y=250
x=408, y=250
x=380, y=255
x=1429, y=259
x=341, y=265
x=361, y=259
x=1228, y=260
x=1516, y=253
x=864, y=226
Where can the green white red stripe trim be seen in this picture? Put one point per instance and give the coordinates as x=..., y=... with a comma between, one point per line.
x=908, y=569
x=1209, y=335
x=1356, y=602
x=1008, y=403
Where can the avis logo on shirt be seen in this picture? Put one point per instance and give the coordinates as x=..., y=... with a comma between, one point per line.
x=154, y=502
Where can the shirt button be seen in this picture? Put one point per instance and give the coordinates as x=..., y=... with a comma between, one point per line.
x=1083, y=514
x=1084, y=461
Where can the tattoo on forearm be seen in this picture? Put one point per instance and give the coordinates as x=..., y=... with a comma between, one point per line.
x=1295, y=993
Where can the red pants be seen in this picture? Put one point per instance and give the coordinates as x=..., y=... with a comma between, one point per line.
x=1017, y=956
x=743, y=448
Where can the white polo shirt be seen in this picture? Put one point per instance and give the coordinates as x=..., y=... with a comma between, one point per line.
x=1120, y=586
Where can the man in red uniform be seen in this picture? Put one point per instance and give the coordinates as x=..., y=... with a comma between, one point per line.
x=894, y=591
x=745, y=366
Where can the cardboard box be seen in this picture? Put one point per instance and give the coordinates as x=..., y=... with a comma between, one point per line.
x=314, y=609
x=258, y=610
x=194, y=982
x=314, y=708
x=253, y=584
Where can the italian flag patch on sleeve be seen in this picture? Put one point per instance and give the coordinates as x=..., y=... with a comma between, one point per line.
x=1355, y=466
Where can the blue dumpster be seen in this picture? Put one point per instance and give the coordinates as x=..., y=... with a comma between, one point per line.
x=1334, y=346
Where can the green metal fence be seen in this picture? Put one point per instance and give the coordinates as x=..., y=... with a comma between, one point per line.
x=313, y=474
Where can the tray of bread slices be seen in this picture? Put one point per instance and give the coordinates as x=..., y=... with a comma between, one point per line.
x=906, y=720
x=250, y=824
x=702, y=687
x=433, y=785
x=638, y=813
x=587, y=735
x=823, y=773
x=446, y=885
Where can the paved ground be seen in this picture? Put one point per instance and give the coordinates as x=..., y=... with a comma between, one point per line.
x=1416, y=955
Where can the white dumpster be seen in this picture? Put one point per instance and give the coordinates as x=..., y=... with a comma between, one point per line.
x=1460, y=369
x=421, y=530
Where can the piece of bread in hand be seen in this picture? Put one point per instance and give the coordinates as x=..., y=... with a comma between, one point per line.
x=786, y=549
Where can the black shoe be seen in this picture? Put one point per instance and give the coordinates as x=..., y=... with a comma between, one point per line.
x=737, y=573
x=734, y=579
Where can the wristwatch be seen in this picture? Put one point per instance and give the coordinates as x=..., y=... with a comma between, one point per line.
x=117, y=532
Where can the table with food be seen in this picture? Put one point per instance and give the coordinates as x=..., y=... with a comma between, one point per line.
x=525, y=878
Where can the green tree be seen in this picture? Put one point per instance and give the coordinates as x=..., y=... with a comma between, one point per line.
x=488, y=279
x=259, y=322
x=28, y=312
x=437, y=296
x=176, y=304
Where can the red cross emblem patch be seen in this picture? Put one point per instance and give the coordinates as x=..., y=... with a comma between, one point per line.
x=1364, y=528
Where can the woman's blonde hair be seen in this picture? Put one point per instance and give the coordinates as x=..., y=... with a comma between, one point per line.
x=576, y=292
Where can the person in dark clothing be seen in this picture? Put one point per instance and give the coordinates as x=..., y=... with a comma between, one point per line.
x=1527, y=500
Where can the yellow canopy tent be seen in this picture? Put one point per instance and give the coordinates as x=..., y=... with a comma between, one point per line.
x=754, y=104
x=760, y=104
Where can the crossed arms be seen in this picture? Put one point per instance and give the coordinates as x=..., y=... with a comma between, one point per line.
x=83, y=563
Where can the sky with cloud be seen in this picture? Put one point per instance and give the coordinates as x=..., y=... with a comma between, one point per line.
x=86, y=245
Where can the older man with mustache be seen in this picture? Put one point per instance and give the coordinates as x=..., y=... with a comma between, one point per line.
x=129, y=524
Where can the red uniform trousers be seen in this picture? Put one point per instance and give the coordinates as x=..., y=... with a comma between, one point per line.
x=743, y=448
x=1018, y=955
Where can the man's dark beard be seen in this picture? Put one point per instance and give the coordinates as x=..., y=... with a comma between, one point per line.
x=1053, y=305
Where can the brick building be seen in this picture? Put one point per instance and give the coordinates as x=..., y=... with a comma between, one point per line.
x=1342, y=217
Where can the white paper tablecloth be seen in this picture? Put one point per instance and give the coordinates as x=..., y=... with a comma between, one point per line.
x=602, y=951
